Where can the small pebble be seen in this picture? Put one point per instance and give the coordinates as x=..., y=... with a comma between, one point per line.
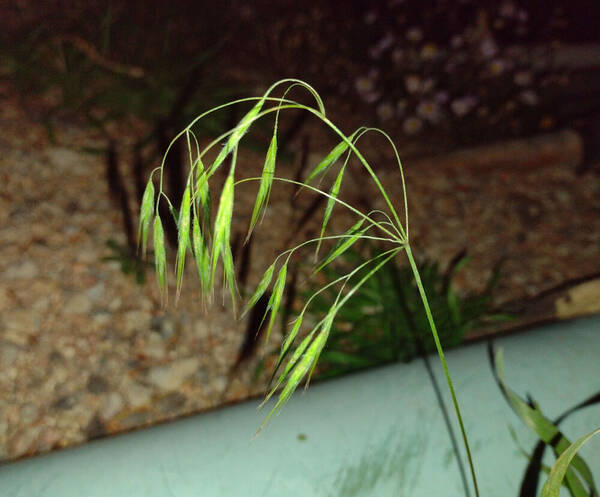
x=135, y=394
x=25, y=270
x=65, y=403
x=78, y=304
x=29, y=413
x=113, y=403
x=163, y=325
x=97, y=384
x=172, y=376
x=95, y=428
x=171, y=402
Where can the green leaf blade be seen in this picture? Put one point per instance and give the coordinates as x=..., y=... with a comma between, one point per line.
x=348, y=239
x=235, y=137
x=160, y=257
x=331, y=200
x=200, y=255
x=266, y=181
x=202, y=193
x=229, y=273
x=558, y=472
x=222, y=222
x=262, y=286
x=329, y=159
x=146, y=212
x=306, y=362
x=542, y=426
x=275, y=300
x=183, y=236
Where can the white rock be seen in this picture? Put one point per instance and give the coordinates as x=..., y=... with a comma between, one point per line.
x=9, y=352
x=115, y=304
x=19, y=324
x=64, y=159
x=113, y=403
x=25, y=270
x=201, y=330
x=78, y=304
x=135, y=394
x=96, y=292
x=172, y=376
x=155, y=346
x=29, y=413
x=135, y=321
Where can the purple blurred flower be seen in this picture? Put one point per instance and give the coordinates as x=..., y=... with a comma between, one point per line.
x=382, y=45
x=488, y=47
x=463, y=105
x=522, y=15
x=429, y=111
x=412, y=83
x=442, y=97
x=456, y=41
x=429, y=51
x=397, y=55
x=412, y=125
x=364, y=84
x=529, y=97
x=414, y=34
x=499, y=66
x=385, y=111
x=370, y=17
x=507, y=9
x=427, y=85
x=401, y=107
x=523, y=78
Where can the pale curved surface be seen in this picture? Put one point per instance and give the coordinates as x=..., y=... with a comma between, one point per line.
x=378, y=433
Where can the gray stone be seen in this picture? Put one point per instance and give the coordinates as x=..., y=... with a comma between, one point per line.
x=65, y=159
x=95, y=428
x=97, y=384
x=172, y=376
x=135, y=419
x=65, y=402
x=56, y=357
x=155, y=346
x=96, y=292
x=101, y=318
x=163, y=325
x=9, y=352
x=135, y=321
x=24, y=270
x=171, y=402
x=29, y=413
x=136, y=394
x=78, y=304
x=112, y=405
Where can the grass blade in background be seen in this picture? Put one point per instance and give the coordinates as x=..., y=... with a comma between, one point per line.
x=552, y=486
x=546, y=430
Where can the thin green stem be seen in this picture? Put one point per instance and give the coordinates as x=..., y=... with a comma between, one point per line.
x=440, y=352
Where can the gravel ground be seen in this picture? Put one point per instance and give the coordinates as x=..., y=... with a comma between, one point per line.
x=85, y=351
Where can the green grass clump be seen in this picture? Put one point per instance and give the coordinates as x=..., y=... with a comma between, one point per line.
x=385, y=320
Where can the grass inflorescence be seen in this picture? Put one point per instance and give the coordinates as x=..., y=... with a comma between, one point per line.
x=207, y=237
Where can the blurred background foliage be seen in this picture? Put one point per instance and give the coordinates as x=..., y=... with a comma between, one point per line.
x=385, y=321
x=463, y=71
